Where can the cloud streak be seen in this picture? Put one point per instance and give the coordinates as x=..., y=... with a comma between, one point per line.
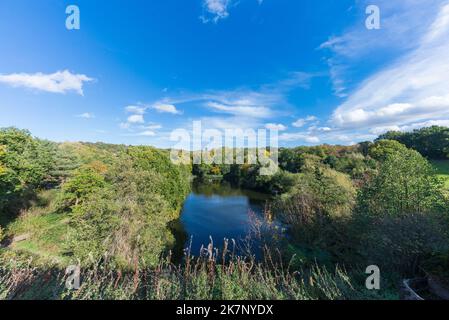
x=58, y=82
x=406, y=93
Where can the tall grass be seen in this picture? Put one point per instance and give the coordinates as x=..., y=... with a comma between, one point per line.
x=198, y=278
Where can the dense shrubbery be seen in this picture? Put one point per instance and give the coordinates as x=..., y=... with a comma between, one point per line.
x=431, y=142
x=119, y=200
x=352, y=160
x=121, y=212
x=398, y=218
x=405, y=183
x=374, y=203
x=25, y=164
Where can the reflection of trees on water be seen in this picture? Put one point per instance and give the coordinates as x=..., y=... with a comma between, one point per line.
x=225, y=189
x=256, y=203
x=181, y=238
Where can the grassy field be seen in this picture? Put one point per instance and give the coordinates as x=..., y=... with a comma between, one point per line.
x=442, y=167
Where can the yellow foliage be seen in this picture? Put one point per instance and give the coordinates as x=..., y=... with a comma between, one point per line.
x=98, y=167
x=215, y=170
x=2, y=152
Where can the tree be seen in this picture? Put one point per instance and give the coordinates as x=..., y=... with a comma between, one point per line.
x=316, y=209
x=24, y=163
x=431, y=142
x=404, y=183
x=85, y=182
x=382, y=149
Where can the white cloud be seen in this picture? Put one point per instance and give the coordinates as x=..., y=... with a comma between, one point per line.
x=152, y=127
x=146, y=133
x=303, y=121
x=231, y=123
x=402, y=22
x=411, y=91
x=136, y=118
x=249, y=103
x=135, y=109
x=274, y=126
x=299, y=136
x=166, y=108
x=241, y=108
x=86, y=115
x=429, y=123
x=58, y=82
x=215, y=10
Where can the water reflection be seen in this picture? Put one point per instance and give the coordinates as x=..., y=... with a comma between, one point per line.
x=215, y=210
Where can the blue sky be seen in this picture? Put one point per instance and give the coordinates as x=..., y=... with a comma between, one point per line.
x=137, y=70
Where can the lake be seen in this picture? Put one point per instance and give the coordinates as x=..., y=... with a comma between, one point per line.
x=218, y=211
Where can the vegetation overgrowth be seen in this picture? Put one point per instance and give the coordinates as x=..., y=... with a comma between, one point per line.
x=110, y=208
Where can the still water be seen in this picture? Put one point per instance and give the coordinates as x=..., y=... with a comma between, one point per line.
x=218, y=211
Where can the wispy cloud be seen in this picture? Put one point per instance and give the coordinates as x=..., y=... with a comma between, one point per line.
x=411, y=90
x=275, y=126
x=58, y=82
x=402, y=22
x=303, y=121
x=241, y=108
x=261, y=103
x=86, y=115
x=215, y=10
x=166, y=108
x=300, y=137
x=407, y=92
x=146, y=133
x=135, y=109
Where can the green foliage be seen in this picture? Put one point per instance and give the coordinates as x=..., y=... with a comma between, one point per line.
x=352, y=160
x=400, y=243
x=115, y=203
x=382, y=149
x=431, y=142
x=174, y=184
x=24, y=164
x=402, y=213
x=316, y=207
x=405, y=183
x=66, y=162
x=124, y=217
x=111, y=208
x=202, y=280
x=85, y=182
x=442, y=171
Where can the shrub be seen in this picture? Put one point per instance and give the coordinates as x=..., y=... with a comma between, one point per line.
x=405, y=183
x=85, y=181
x=126, y=220
x=314, y=208
x=400, y=243
x=24, y=164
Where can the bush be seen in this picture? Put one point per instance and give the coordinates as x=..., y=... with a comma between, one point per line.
x=125, y=219
x=405, y=183
x=314, y=208
x=400, y=243
x=24, y=164
x=85, y=181
x=401, y=212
